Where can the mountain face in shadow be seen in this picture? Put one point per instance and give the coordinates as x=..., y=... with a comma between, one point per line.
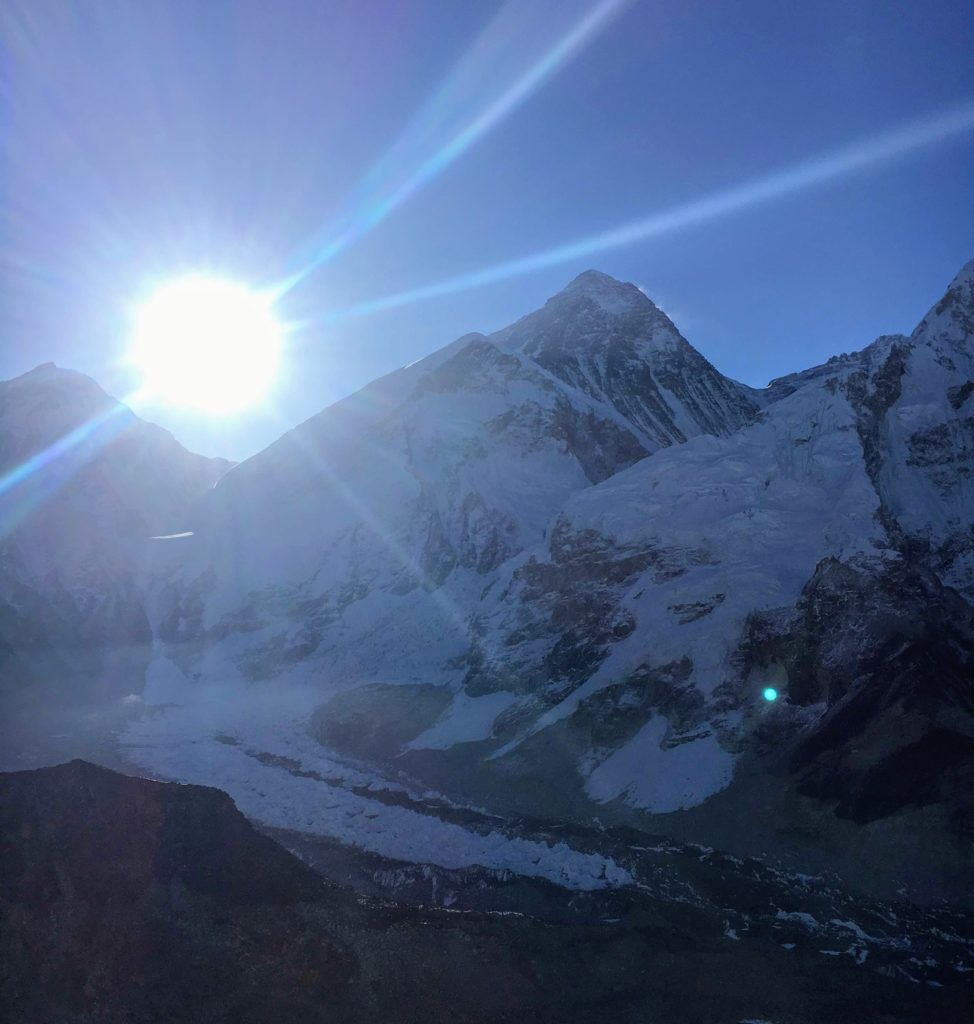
x=84, y=486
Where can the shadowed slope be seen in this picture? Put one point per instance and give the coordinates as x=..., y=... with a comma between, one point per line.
x=124, y=899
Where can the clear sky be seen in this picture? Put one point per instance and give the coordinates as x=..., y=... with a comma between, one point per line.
x=366, y=148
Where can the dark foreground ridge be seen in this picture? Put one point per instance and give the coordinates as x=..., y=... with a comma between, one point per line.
x=123, y=899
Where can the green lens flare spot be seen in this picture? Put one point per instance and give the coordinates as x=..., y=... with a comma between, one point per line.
x=769, y=693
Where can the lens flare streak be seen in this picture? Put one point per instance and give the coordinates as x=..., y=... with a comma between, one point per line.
x=33, y=481
x=398, y=553
x=829, y=166
x=381, y=205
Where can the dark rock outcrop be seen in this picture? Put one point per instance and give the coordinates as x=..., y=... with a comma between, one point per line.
x=128, y=900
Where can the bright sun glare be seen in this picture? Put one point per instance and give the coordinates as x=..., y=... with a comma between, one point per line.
x=205, y=343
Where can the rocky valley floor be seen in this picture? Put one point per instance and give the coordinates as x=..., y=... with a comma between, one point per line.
x=556, y=676
x=128, y=899
x=572, y=922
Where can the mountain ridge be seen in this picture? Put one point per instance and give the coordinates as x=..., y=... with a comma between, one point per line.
x=558, y=583
x=86, y=483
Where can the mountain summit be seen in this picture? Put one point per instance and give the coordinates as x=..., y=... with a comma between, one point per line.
x=87, y=484
x=607, y=339
x=552, y=571
x=612, y=295
x=471, y=453
x=591, y=301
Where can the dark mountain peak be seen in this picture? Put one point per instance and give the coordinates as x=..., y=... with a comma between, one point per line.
x=606, y=292
x=592, y=314
x=595, y=279
x=607, y=339
x=964, y=276
x=951, y=321
x=959, y=297
x=50, y=375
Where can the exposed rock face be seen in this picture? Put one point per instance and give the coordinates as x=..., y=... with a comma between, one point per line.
x=606, y=338
x=584, y=555
x=397, y=505
x=124, y=899
x=891, y=656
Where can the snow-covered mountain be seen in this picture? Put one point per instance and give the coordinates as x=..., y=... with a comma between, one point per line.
x=357, y=545
x=84, y=485
x=823, y=549
x=552, y=571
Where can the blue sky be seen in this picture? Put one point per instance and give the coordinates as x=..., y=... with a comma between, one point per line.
x=143, y=140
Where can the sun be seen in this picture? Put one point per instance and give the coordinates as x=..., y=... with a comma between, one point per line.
x=208, y=344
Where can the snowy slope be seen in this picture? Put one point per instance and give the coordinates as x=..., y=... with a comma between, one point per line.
x=552, y=570
x=926, y=437
x=647, y=596
x=674, y=556
x=85, y=485
x=362, y=539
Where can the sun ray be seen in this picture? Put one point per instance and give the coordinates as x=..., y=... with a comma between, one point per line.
x=399, y=554
x=380, y=197
x=837, y=163
x=32, y=482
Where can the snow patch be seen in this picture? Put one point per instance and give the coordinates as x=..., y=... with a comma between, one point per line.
x=467, y=720
x=165, y=683
x=659, y=779
x=258, y=751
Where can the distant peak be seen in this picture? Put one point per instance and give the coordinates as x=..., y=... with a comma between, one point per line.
x=44, y=371
x=593, y=284
x=954, y=313
x=965, y=274
x=50, y=375
x=596, y=279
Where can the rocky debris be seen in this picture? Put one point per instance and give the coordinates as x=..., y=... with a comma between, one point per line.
x=124, y=899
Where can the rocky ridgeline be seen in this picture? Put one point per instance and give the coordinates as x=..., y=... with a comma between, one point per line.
x=551, y=572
